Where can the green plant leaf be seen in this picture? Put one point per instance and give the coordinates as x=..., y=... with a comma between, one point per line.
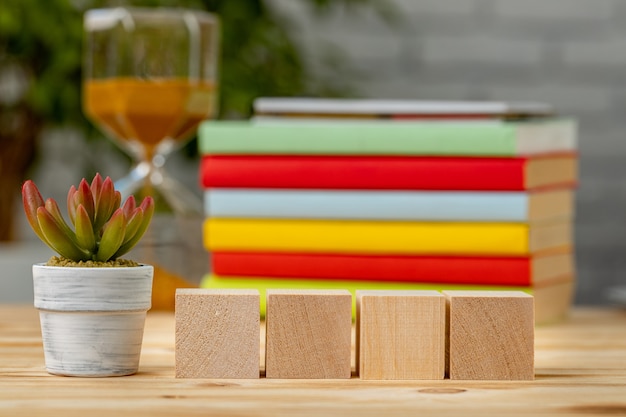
x=32, y=200
x=133, y=224
x=96, y=191
x=129, y=206
x=106, y=203
x=86, y=199
x=112, y=236
x=71, y=204
x=96, y=186
x=147, y=208
x=57, y=239
x=84, y=230
x=53, y=208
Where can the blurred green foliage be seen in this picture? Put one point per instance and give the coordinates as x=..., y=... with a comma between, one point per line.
x=258, y=56
x=43, y=39
x=41, y=57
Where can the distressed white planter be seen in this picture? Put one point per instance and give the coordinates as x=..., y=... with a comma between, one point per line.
x=92, y=319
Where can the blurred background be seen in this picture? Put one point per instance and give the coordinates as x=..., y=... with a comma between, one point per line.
x=569, y=53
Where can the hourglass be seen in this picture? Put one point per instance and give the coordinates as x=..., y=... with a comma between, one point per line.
x=150, y=77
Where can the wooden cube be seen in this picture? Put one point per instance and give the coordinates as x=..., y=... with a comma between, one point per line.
x=308, y=334
x=491, y=335
x=217, y=333
x=400, y=334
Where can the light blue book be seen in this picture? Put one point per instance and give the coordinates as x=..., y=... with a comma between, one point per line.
x=390, y=205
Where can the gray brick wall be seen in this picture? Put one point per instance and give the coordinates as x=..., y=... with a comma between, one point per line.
x=571, y=53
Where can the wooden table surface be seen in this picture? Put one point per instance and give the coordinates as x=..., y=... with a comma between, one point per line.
x=580, y=370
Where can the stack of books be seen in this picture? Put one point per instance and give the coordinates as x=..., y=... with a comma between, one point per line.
x=369, y=194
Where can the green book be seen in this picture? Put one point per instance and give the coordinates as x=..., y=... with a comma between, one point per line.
x=498, y=138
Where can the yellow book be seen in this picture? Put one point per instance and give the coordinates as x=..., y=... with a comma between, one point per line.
x=385, y=237
x=552, y=300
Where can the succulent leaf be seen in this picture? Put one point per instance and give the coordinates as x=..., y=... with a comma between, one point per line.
x=56, y=237
x=71, y=206
x=147, y=208
x=84, y=230
x=129, y=206
x=52, y=207
x=132, y=225
x=86, y=199
x=105, y=203
x=32, y=200
x=112, y=236
x=117, y=200
x=103, y=229
x=96, y=186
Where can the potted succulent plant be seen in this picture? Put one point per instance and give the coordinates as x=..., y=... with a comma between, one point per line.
x=92, y=304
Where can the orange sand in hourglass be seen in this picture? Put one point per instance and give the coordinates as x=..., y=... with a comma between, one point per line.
x=149, y=110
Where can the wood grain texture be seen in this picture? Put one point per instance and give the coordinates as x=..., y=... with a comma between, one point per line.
x=553, y=302
x=308, y=334
x=491, y=335
x=400, y=334
x=217, y=333
x=579, y=371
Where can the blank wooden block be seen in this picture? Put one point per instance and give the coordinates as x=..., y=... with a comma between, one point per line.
x=308, y=334
x=217, y=333
x=491, y=335
x=400, y=334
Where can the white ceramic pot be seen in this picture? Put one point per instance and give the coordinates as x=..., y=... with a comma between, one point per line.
x=92, y=319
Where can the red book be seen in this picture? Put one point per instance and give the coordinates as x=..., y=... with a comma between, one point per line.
x=514, y=271
x=387, y=172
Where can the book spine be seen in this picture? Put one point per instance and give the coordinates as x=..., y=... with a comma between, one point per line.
x=514, y=271
x=282, y=136
x=328, y=172
x=360, y=138
x=367, y=237
x=367, y=205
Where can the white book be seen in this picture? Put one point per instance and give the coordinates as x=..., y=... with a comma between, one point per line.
x=286, y=105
